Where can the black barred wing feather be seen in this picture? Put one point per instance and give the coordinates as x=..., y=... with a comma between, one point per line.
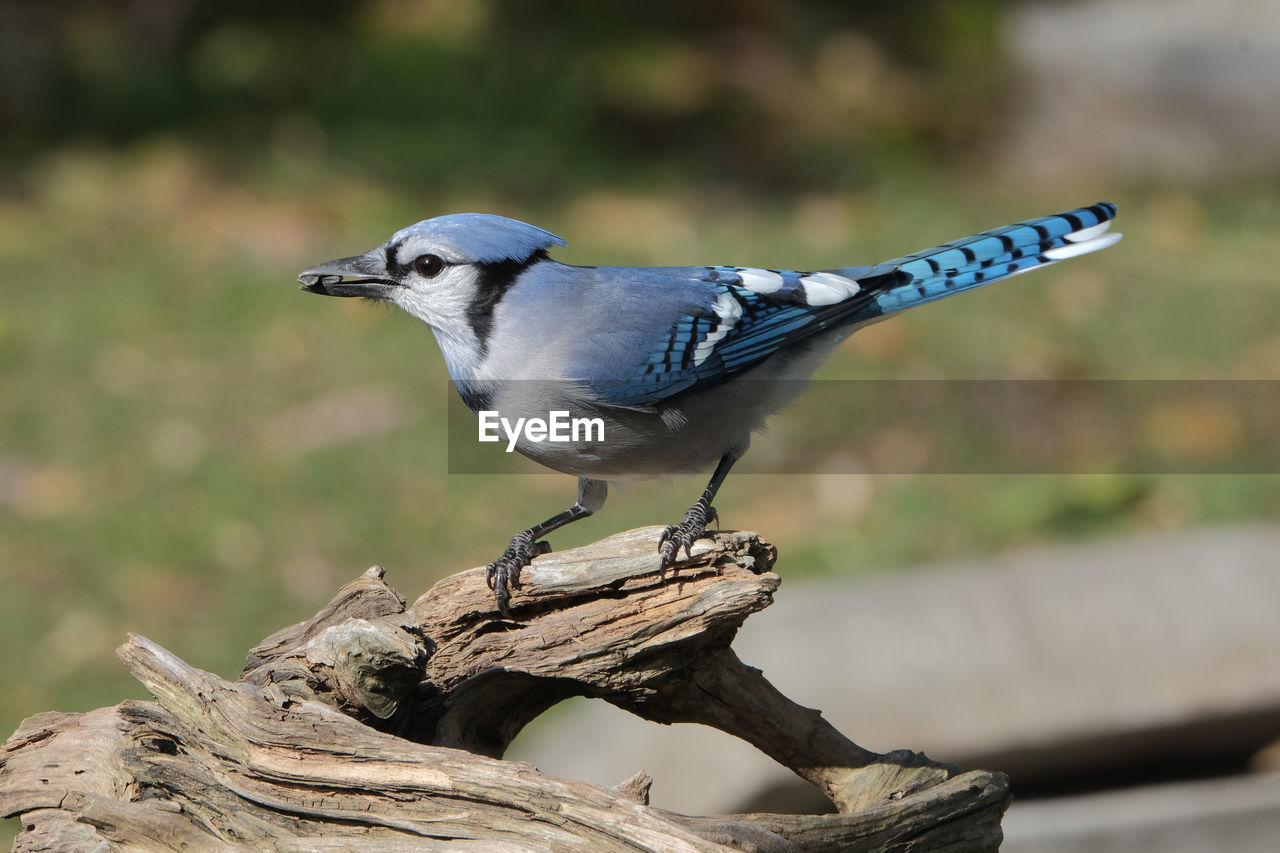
x=756, y=313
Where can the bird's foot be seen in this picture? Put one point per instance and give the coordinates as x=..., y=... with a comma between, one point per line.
x=684, y=534
x=503, y=574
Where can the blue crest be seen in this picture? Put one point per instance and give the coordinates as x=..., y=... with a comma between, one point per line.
x=484, y=237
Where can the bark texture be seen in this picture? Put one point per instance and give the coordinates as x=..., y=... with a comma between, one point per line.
x=382, y=725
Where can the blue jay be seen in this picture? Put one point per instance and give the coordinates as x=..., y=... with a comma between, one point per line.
x=669, y=358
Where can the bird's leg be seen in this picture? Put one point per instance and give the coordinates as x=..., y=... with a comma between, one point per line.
x=694, y=526
x=503, y=574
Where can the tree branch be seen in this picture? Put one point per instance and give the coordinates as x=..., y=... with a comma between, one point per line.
x=386, y=723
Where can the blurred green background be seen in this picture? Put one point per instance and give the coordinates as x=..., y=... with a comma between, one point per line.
x=192, y=449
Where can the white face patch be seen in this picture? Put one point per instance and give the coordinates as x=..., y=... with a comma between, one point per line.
x=729, y=312
x=760, y=281
x=409, y=245
x=442, y=302
x=827, y=288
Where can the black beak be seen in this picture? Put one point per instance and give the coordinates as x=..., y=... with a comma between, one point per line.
x=357, y=276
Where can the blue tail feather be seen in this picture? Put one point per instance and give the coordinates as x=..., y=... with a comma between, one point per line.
x=988, y=257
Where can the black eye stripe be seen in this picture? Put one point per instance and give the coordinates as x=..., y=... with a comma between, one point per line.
x=493, y=280
x=394, y=267
x=399, y=269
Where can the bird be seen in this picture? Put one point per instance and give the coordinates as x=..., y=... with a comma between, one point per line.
x=680, y=365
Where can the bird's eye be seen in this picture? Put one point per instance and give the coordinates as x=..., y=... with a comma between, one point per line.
x=428, y=266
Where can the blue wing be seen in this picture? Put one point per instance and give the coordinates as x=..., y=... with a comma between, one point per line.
x=740, y=329
x=755, y=314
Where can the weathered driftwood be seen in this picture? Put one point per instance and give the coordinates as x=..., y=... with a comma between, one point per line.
x=380, y=725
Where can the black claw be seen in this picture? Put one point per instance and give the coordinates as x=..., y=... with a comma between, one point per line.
x=503, y=574
x=684, y=534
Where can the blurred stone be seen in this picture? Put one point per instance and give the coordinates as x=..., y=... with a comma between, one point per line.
x=1267, y=759
x=1078, y=667
x=1172, y=88
x=1240, y=814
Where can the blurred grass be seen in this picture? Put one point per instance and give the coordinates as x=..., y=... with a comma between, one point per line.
x=192, y=449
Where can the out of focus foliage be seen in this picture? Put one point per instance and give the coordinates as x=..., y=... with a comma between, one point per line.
x=531, y=96
x=191, y=448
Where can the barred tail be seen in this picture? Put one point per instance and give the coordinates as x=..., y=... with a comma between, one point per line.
x=987, y=257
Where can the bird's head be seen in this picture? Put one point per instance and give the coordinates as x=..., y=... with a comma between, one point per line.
x=447, y=272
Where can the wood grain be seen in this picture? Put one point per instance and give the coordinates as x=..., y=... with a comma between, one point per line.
x=381, y=726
